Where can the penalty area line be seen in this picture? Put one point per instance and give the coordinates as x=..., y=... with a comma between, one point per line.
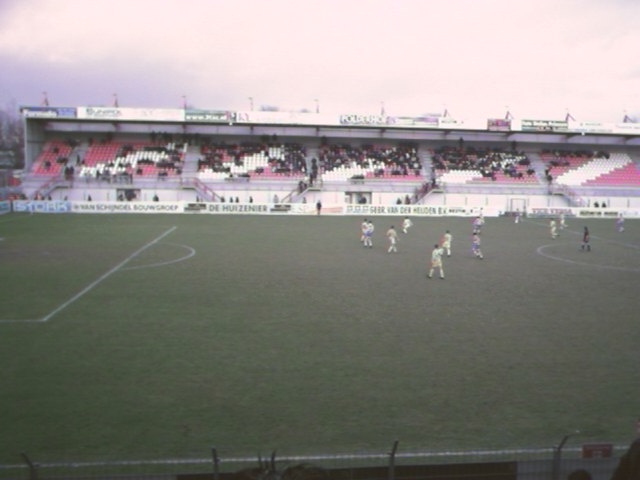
x=95, y=283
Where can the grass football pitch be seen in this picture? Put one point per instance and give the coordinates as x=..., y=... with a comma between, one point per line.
x=159, y=336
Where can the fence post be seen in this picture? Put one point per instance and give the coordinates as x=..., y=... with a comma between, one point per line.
x=557, y=456
x=216, y=463
x=33, y=468
x=392, y=461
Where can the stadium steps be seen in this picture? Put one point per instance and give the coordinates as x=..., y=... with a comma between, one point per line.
x=190, y=166
x=427, y=163
x=538, y=165
x=80, y=152
x=312, y=152
x=635, y=157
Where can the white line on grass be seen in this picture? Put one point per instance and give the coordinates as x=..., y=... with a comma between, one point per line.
x=93, y=284
x=541, y=251
x=191, y=250
x=580, y=232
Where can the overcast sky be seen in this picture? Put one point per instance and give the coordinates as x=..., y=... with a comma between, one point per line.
x=475, y=58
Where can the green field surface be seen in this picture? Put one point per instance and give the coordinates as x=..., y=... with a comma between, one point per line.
x=158, y=336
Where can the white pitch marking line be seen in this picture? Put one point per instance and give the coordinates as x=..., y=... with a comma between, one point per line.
x=541, y=251
x=93, y=284
x=191, y=253
x=606, y=240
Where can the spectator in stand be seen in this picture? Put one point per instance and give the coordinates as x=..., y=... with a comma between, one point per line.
x=487, y=161
x=377, y=159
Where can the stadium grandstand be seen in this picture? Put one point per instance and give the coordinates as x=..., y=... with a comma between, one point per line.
x=288, y=162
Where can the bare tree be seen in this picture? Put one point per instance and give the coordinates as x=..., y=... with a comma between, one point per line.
x=11, y=137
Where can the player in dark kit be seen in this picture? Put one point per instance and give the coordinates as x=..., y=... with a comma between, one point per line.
x=585, y=240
